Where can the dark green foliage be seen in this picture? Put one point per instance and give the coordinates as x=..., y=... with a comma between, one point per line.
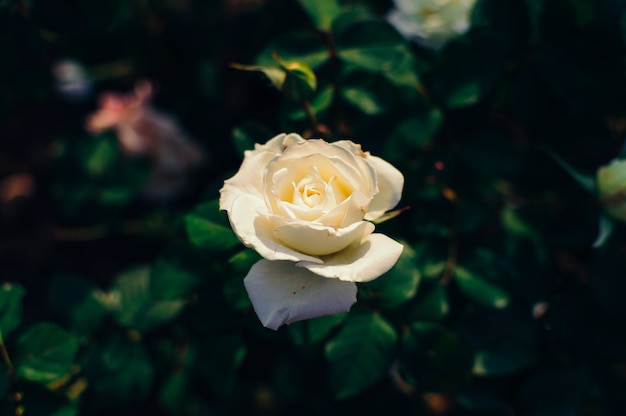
x=510, y=294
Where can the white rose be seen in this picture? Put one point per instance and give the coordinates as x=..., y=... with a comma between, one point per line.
x=304, y=206
x=431, y=22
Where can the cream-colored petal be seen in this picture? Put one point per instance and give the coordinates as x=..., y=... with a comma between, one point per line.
x=316, y=239
x=390, y=183
x=255, y=230
x=348, y=212
x=363, y=262
x=278, y=143
x=247, y=180
x=282, y=293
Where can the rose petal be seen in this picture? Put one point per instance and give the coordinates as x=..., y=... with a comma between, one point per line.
x=255, y=230
x=390, y=183
x=359, y=263
x=282, y=293
x=316, y=239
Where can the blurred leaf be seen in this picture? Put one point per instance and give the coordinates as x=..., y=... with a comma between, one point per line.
x=399, y=284
x=302, y=46
x=220, y=360
x=436, y=359
x=300, y=81
x=413, y=133
x=369, y=93
x=276, y=75
x=119, y=370
x=374, y=45
x=480, y=290
x=430, y=305
x=320, y=101
x=102, y=155
x=205, y=229
x=314, y=330
x=175, y=391
x=135, y=306
x=77, y=302
x=177, y=273
x=322, y=12
x=45, y=353
x=360, y=354
x=10, y=308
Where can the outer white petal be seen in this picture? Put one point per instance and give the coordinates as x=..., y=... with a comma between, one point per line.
x=256, y=231
x=320, y=240
x=359, y=263
x=390, y=183
x=282, y=293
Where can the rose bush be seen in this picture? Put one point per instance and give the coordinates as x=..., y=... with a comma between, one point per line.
x=306, y=207
x=431, y=22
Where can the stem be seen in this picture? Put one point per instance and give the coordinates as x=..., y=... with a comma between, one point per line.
x=5, y=355
x=310, y=113
x=451, y=262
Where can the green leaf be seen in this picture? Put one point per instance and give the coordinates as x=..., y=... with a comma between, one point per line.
x=314, y=330
x=134, y=305
x=205, y=229
x=413, y=133
x=375, y=46
x=77, y=302
x=360, y=354
x=435, y=358
x=177, y=273
x=480, y=290
x=45, y=353
x=399, y=284
x=300, y=81
x=430, y=305
x=102, y=156
x=322, y=12
x=274, y=74
x=10, y=308
x=301, y=46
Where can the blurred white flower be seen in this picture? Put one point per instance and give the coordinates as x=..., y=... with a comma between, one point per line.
x=142, y=130
x=72, y=81
x=431, y=22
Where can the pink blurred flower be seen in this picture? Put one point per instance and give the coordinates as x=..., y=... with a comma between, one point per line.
x=142, y=130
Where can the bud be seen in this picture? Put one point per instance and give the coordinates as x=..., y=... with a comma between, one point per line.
x=612, y=188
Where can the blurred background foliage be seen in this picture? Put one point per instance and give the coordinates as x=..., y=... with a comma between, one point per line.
x=117, y=301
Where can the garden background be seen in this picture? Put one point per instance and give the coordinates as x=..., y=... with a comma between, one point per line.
x=509, y=298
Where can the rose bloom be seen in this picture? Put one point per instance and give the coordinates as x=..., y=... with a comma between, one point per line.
x=142, y=130
x=431, y=22
x=306, y=207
